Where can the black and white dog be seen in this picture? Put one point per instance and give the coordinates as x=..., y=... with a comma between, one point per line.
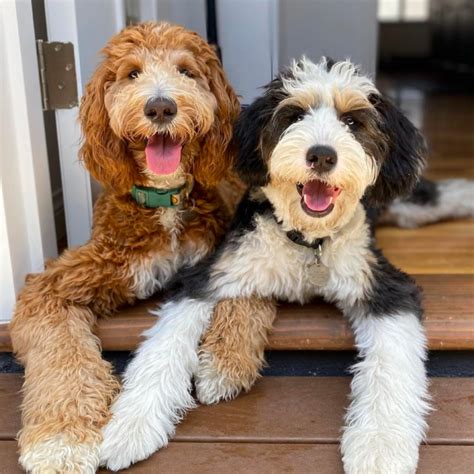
x=318, y=149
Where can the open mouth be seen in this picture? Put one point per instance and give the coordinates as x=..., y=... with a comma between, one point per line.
x=163, y=154
x=317, y=197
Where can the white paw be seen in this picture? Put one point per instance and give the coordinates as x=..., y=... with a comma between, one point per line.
x=375, y=452
x=211, y=385
x=58, y=456
x=129, y=439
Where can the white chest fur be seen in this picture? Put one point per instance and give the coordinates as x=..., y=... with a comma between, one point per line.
x=152, y=272
x=267, y=263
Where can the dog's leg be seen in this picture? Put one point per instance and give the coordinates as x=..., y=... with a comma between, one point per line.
x=232, y=353
x=68, y=386
x=432, y=202
x=157, y=385
x=385, y=422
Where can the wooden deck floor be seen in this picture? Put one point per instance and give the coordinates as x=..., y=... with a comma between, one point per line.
x=285, y=424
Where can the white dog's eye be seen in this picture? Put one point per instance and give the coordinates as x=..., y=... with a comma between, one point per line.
x=349, y=121
x=299, y=118
x=133, y=74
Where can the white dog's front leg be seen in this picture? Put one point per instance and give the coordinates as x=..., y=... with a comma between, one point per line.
x=157, y=385
x=385, y=422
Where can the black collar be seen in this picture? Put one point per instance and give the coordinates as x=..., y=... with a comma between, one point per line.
x=297, y=237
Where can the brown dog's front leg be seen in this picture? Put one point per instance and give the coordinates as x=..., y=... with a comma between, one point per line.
x=68, y=387
x=232, y=352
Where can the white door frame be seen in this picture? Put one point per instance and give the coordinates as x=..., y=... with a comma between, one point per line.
x=76, y=185
x=27, y=232
x=63, y=24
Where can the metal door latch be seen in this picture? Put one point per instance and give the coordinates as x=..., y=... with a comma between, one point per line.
x=57, y=75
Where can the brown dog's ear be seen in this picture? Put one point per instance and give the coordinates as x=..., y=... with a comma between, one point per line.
x=103, y=153
x=216, y=157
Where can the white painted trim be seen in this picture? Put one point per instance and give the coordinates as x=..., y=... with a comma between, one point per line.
x=62, y=26
x=7, y=275
x=26, y=212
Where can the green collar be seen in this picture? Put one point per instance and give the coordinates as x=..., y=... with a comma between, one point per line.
x=154, y=197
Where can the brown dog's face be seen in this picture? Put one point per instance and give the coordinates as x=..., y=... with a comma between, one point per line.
x=166, y=100
x=161, y=102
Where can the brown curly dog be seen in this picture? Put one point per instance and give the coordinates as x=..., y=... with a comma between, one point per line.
x=157, y=118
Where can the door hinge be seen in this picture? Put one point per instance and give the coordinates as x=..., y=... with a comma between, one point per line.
x=57, y=75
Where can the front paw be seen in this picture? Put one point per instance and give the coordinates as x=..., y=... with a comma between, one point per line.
x=214, y=384
x=130, y=438
x=378, y=452
x=58, y=455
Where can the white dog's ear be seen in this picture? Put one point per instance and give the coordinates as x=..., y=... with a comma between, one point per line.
x=404, y=158
x=251, y=163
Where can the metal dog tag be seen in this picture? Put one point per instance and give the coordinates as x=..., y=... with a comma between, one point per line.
x=318, y=274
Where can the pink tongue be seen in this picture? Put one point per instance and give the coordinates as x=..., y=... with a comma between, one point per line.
x=318, y=196
x=163, y=155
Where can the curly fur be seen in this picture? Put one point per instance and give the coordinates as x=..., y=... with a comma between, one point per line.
x=106, y=154
x=232, y=353
x=133, y=250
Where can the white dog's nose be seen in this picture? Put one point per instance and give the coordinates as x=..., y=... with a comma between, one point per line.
x=321, y=158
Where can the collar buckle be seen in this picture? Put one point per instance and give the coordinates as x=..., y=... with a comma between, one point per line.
x=317, y=245
x=155, y=197
x=318, y=253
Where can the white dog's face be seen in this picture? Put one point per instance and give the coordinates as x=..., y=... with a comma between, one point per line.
x=321, y=136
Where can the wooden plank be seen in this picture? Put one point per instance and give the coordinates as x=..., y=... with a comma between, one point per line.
x=310, y=409
x=448, y=301
x=10, y=399
x=441, y=248
x=288, y=410
x=246, y=458
x=249, y=458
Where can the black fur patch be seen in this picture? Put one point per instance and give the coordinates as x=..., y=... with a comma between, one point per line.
x=193, y=281
x=405, y=159
x=248, y=209
x=393, y=291
x=425, y=193
x=248, y=131
x=282, y=119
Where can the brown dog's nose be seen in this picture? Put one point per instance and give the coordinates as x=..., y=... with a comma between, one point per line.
x=161, y=110
x=321, y=158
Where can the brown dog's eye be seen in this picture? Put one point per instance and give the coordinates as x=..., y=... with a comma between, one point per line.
x=133, y=74
x=186, y=72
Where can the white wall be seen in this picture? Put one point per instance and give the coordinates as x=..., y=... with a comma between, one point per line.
x=97, y=22
x=247, y=36
x=189, y=13
x=336, y=28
